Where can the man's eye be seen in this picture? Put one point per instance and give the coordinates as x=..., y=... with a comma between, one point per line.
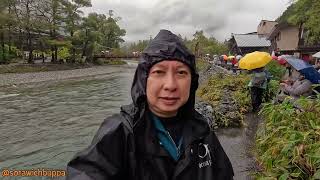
x=182, y=72
x=158, y=72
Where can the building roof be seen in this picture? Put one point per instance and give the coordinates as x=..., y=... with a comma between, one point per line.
x=251, y=40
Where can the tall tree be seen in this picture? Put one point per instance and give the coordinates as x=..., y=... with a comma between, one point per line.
x=100, y=33
x=73, y=20
x=3, y=22
x=11, y=21
x=25, y=11
x=91, y=34
x=112, y=33
x=51, y=13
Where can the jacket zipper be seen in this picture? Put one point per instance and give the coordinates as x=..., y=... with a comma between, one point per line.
x=178, y=150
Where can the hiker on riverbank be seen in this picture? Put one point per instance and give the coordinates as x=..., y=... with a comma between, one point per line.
x=159, y=136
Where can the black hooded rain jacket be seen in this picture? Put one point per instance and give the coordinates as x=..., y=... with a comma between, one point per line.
x=126, y=145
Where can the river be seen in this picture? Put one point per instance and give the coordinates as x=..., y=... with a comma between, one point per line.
x=44, y=124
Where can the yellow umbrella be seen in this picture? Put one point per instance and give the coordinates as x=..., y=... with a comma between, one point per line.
x=254, y=60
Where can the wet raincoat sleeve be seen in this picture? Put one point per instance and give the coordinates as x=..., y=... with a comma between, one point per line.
x=104, y=158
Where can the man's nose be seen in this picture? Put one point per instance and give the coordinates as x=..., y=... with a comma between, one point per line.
x=170, y=82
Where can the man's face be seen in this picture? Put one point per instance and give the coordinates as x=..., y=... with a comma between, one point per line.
x=168, y=87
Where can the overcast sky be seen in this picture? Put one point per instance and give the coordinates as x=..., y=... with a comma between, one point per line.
x=219, y=18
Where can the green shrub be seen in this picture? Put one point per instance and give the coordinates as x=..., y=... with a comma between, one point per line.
x=276, y=70
x=288, y=145
x=63, y=54
x=9, y=55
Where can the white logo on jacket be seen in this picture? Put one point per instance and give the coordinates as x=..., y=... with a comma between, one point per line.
x=205, y=155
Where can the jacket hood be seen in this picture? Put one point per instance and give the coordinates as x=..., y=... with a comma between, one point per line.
x=165, y=46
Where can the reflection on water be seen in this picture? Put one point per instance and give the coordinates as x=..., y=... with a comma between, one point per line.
x=43, y=126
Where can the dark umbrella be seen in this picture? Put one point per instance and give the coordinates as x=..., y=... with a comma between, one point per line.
x=296, y=63
x=311, y=74
x=304, y=68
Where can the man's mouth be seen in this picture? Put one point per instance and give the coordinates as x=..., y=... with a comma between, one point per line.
x=169, y=100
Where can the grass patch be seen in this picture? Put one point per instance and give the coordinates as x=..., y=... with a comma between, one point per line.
x=288, y=144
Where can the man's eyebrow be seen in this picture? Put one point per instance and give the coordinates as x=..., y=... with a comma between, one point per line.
x=182, y=66
x=165, y=67
x=159, y=66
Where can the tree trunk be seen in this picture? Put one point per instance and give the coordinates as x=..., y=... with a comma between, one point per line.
x=20, y=41
x=9, y=33
x=301, y=41
x=42, y=56
x=73, y=58
x=30, y=59
x=196, y=49
x=73, y=50
x=30, y=48
x=9, y=39
x=53, y=59
x=85, y=45
x=56, y=52
x=2, y=46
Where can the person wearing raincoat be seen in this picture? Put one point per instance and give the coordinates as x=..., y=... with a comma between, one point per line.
x=258, y=85
x=301, y=87
x=160, y=136
x=291, y=75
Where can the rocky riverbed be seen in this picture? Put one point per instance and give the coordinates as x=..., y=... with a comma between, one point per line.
x=14, y=79
x=227, y=108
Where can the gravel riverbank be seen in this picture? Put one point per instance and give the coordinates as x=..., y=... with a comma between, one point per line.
x=13, y=79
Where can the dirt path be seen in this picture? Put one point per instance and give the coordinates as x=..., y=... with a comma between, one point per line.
x=238, y=143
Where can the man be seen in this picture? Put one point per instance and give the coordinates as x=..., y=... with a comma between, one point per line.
x=160, y=136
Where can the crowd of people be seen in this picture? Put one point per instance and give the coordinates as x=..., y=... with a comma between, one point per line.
x=228, y=62
x=293, y=84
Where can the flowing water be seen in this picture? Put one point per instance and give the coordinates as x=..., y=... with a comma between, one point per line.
x=44, y=124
